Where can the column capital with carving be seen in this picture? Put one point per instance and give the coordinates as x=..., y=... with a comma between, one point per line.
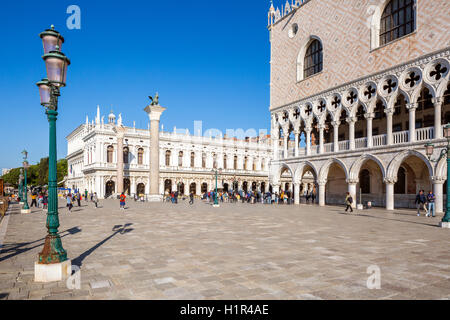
x=369, y=115
x=390, y=180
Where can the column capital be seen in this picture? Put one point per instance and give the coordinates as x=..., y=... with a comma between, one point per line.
x=335, y=123
x=438, y=180
x=437, y=101
x=369, y=115
x=412, y=106
x=322, y=126
x=297, y=131
x=308, y=129
x=352, y=181
x=390, y=180
x=351, y=120
x=154, y=112
x=322, y=182
x=389, y=112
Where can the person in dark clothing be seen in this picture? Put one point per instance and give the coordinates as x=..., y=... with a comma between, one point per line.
x=191, y=198
x=348, y=202
x=420, y=202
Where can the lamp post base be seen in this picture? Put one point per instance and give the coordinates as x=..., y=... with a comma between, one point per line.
x=445, y=225
x=155, y=198
x=52, y=272
x=25, y=211
x=359, y=207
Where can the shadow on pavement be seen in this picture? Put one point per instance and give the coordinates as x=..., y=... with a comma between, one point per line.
x=3, y=295
x=122, y=229
x=18, y=248
x=424, y=224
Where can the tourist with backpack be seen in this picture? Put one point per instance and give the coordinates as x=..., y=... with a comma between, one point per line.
x=348, y=202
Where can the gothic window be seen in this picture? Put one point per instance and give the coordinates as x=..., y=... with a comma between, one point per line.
x=379, y=110
x=400, y=186
x=180, y=159
x=109, y=154
x=397, y=20
x=399, y=105
x=141, y=156
x=254, y=166
x=224, y=161
x=262, y=165
x=126, y=152
x=425, y=100
x=245, y=163
x=203, y=160
x=364, y=181
x=168, y=153
x=313, y=59
x=192, y=159
x=235, y=163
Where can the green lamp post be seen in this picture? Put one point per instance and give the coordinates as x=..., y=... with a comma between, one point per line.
x=26, y=208
x=445, y=152
x=21, y=185
x=216, y=201
x=56, y=64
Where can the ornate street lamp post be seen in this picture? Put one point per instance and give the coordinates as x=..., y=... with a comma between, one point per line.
x=21, y=185
x=26, y=208
x=429, y=150
x=53, y=264
x=216, y=201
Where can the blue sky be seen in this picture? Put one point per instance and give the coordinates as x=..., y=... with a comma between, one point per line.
x=209, y=61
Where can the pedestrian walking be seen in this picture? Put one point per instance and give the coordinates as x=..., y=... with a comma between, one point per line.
x=191, y=198
x=95, y=199
x=45, y=201
x=420, y=202
x=85, y=195
x=431, y=207
x=33, y=200
x=69, y=202
x=78, y=197
x=122, y=201
x=348, y=202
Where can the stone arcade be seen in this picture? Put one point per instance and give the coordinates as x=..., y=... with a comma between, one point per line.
x=371, y=94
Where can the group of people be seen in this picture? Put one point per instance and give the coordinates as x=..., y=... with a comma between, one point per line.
x=76, y=196
x=426, y=202
x=39, y=199
x=284, y=197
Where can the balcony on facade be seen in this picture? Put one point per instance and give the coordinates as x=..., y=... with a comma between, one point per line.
x=400, y=139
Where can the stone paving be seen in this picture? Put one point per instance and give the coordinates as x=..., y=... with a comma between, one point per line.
x=237, y=251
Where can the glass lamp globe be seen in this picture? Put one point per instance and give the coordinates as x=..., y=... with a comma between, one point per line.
x=447, y=131
x=429, y=149
x=44, y=91
x=56, y=63
x=51, y=39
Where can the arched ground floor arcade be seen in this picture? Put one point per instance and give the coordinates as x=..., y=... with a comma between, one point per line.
x=389, y=178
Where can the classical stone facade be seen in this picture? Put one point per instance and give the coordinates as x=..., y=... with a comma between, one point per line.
x=186, y=162
x=357, y=89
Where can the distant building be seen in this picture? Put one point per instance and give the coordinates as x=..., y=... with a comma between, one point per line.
x=186, y=161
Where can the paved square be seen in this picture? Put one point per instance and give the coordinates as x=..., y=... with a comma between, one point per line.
x=237, y=251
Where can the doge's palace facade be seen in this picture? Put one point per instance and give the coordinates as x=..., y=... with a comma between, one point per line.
x=357, y=89
x=187, y=162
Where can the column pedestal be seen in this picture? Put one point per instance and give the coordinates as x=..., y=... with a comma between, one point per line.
x=389, y=194
x=52, y=272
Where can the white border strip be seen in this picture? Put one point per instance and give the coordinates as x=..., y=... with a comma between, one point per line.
x=4, y=226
